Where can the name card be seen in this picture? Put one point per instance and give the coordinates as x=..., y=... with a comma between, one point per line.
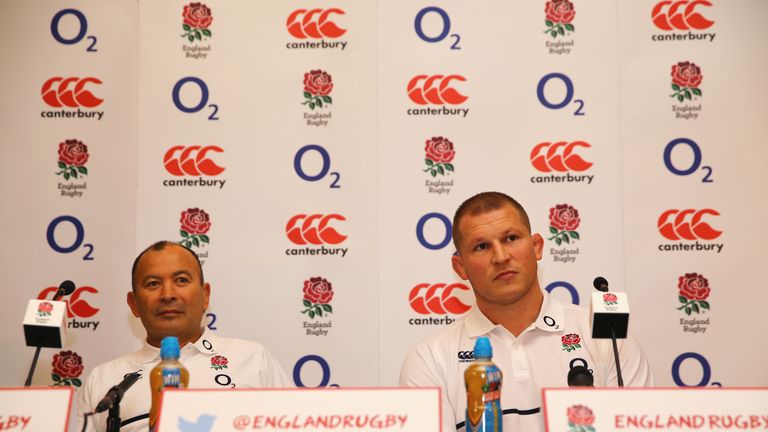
x=666, y=409
x=340, y=409
x=33, y=409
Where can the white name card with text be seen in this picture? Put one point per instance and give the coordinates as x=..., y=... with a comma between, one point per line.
x=33, y=409
x=338, y=409
x=657, y=409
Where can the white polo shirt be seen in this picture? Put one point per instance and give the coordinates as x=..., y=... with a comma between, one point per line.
x=539, y=357
x=248, y=365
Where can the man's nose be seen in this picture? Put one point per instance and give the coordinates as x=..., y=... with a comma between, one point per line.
x=500, y=253
x=168, y=291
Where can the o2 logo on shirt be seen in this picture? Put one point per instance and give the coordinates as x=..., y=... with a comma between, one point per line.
x=547, y=101
x=325, y=167
x=202, y=101
x=82, y=29
x=445, y=27
x=58, y=245
x=325, y=371
x=430, y=243
x=706, y=371
x=678, y=168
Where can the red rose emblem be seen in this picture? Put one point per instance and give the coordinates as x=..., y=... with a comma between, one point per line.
x=610, y=298
x=579, y=415
x=560, y=11
x=318, y=83
x=571, y=339
x=694, y=286
x=564, y=217
x=67, y=364
x=73, y=152
x=195, y=221
x=439, y=149
x=219, y=360
x=686, y=74
x=45, y=308
x=318, y=290
x=197, y=15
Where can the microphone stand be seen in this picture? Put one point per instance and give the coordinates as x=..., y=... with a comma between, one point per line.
x=616, y=357
x=113, y=421
x=28, y=382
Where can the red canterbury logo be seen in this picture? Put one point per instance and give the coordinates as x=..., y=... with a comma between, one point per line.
x=57, y=92
x=314, y=23
x=559, y=156
x=435, y=89
x=302, y=229
x=437, y=298
x=192, y=160
x=75, y=306
x=687, y=225
x=680, y=15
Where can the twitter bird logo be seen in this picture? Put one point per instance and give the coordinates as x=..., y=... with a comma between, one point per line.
x=204, y=423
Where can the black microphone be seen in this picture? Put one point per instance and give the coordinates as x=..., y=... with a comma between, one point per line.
x=600, y=284
x=66, y=288
x=115, y=394
x=580, y=375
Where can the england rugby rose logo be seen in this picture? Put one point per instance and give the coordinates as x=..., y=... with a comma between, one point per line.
x=686, y=78
x=67, y=368
x=44, y=309
x=563, y=221
x=439, y=155
x=693, y=292
x=197, y=19
x=219, y=362
x=610, y=299
x=73, y=155
x=318, y=293
x=317, y=89
x=195, y=224
x=571, y=342
x=580, y=419
x=559, y=14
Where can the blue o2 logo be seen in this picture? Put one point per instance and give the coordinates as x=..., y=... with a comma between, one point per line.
x=562, y=284
x=211, y=321
x=62, y=222
x=691, y=167
x=706, y=370
x=325, y=157
x=442, y=242
x=82, y=29
x=554, y=77
x=325, y=371
x=202, y=101
x=445, y=26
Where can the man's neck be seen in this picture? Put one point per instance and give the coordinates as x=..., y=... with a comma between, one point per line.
x=517, y=316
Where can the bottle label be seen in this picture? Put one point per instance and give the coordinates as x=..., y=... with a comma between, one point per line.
x=487, y=415
x=171, y=377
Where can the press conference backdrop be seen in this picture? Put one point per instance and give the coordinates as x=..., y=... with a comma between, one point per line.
x=313, y=154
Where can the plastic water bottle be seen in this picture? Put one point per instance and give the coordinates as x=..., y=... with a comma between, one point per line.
x=483, y=381
x=168, y=373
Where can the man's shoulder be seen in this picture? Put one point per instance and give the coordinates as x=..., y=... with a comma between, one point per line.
x=447, y=338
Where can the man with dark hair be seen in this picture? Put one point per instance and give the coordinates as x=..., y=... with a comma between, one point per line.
x=170, y=297
x=534, y=337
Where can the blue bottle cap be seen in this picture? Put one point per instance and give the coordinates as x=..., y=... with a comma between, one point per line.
x=483, y=347
x=169, y=347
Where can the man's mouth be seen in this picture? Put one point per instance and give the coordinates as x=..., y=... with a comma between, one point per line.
x=169, y=313
x=507, y=274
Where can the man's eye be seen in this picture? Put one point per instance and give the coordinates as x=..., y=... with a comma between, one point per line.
x=511, y=237
x=152, y=284
x=182, y=279
x=481, y=246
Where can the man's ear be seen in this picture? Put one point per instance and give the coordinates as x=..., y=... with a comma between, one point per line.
x=538, y=245
x=131, y=300
x=458, y=266
x=206, y=295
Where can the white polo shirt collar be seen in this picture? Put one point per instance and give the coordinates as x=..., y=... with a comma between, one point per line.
x=551, y=319
x=205, y=344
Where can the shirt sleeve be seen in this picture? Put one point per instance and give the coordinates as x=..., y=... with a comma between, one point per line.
x=272, y=373
x=421, y=370
x=85, y=403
